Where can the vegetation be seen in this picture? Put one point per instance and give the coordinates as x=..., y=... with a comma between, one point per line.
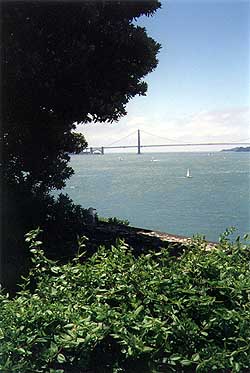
x=65, y=63
x=62, y=63
x=115, y=313
x=115, y=220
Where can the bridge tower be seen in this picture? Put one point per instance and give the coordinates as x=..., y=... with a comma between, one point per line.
x=139, y=143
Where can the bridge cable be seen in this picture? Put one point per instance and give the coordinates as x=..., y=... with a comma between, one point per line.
x=166, y=138
x=123, y=138
x=161, y=137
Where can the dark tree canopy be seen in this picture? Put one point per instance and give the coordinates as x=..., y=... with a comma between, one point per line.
x=77, y=58
x=63, y=63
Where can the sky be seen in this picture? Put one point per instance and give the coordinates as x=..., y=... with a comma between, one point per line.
x=200, y=90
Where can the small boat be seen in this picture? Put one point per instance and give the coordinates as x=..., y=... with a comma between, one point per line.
x=188, y=173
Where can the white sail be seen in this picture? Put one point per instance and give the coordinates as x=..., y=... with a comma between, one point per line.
x=188, y=173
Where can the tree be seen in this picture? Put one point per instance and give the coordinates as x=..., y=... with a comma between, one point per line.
x=65, y=63
x=62, y=63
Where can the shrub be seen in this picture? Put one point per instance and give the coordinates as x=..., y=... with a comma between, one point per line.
x=115, y=313
x=114, y=220
x=60, y=218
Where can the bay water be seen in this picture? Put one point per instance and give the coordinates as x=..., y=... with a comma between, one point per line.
x=152, y=191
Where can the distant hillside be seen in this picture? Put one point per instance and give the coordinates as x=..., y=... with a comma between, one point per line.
x=238, y=149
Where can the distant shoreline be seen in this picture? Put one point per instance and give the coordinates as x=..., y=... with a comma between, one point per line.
x=238, y=149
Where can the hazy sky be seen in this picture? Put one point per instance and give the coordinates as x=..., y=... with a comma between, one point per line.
x=200, y=90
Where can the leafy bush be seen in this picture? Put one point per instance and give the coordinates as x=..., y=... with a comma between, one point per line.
x=115, y=313
x=63, y=221
x=115, y=220
x=60, y=218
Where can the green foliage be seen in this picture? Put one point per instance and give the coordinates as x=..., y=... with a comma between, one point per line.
x=63, y=221
x=62, y=64
x=60, y=219
x=115, y=221
x=118, y=221
x=115, y=313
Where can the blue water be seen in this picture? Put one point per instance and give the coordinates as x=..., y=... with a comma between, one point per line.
x=151, y=190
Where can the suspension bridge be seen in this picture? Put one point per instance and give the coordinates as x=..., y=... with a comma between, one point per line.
x=139, y=146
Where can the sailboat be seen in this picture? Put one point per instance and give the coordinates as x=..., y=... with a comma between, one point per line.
x=188, y=173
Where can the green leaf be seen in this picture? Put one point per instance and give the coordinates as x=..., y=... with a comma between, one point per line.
x=1, y=334
x=237, y=367
x=186, y=362
x=61, y=358
x=175, y=358
x=21, y=350
x=65, y=337
x=204, y=333
x=147, y=349
x=53, y=348
x=130, y=352
x=55, y=269
x=195, y=357
x=138, y=310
